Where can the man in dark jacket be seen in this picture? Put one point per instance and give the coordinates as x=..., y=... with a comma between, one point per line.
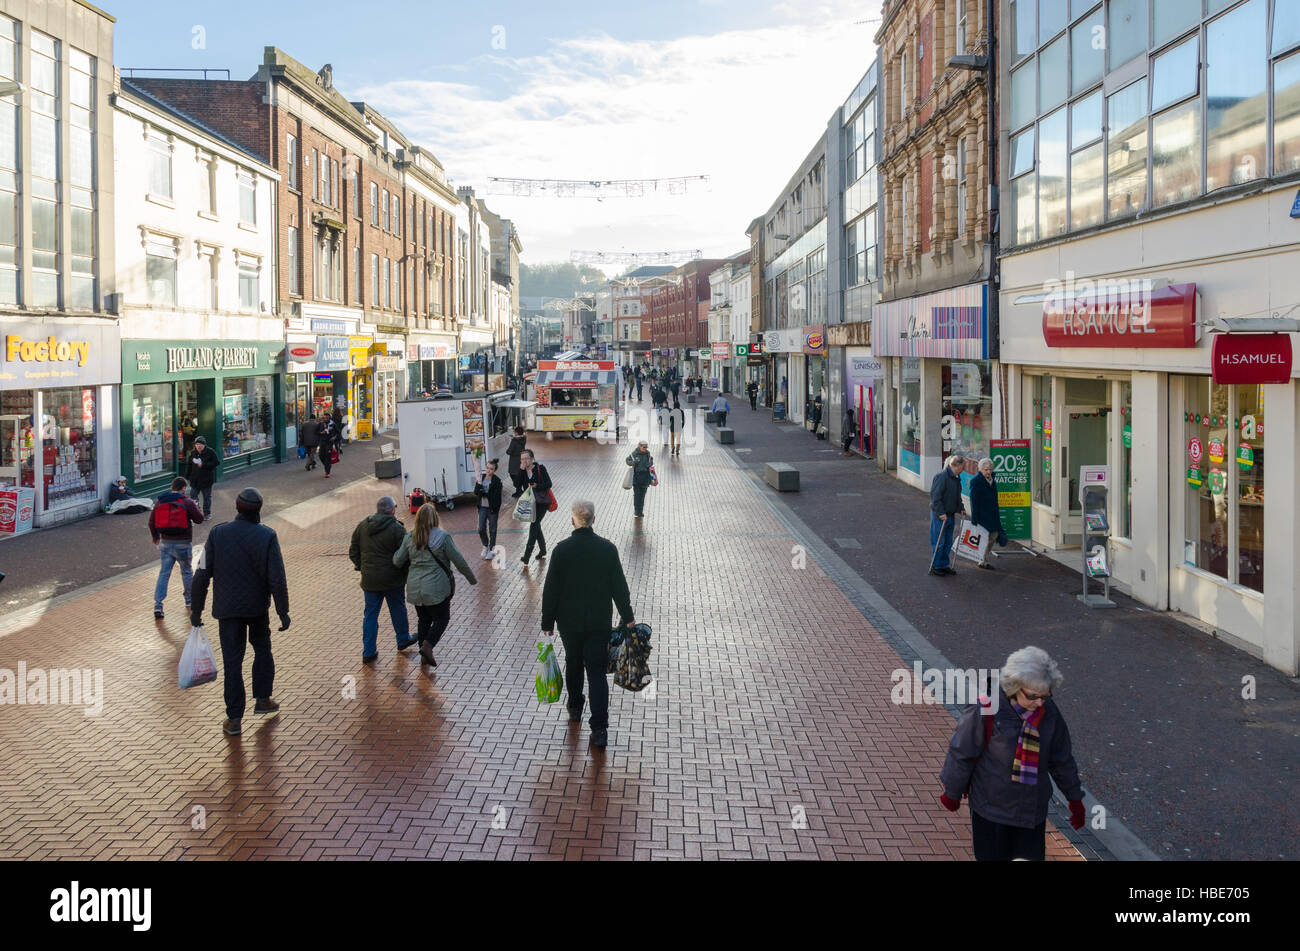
x=242, y=561
x=584, y=578
x=171, y=523
x=517, y=442
x=945, y=506
x=201, y=472
x=309, y=433
x=375, y=541
x=539, y=480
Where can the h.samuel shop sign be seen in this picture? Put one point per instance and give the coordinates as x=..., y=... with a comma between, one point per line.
x=1243, y=359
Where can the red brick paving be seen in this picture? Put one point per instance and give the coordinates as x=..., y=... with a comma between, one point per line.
x=772, y=696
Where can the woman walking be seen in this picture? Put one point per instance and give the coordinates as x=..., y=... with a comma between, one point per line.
x=539, y=480
x=328, y=434
x=640, y=460
x=516, y=446
x=430, y=553
x=338, y=429
x=676, y=426
x=996, y=755
x=984, y=506
x=488, y=490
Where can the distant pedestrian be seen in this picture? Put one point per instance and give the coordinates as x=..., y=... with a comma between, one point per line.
x=430, y=552
x=752, y=389
x=517, y=443
x=641, y=461
x=817, y=415
x=488, y=491
x=998, y=757
x=374, y=542
x=122, y=501
x=640, y=381
x=676, y=426
x=309, y=439
x=242, y=562
x=539, y=480
x=201, y=472
x=171, y=523
x=720, y=410
x=945, y=506
x=337, y=430
x=328, y=435
x=584, y=579
x=985, y=511
x=850, y=430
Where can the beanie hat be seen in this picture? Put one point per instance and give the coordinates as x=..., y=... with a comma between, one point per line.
x=249, y=500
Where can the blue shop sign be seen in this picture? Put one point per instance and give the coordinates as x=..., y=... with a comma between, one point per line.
x=332, y=353
x=322, y=325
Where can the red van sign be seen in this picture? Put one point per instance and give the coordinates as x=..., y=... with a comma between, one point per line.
x=1251, y=358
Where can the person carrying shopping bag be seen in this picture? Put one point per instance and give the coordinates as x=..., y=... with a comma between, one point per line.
x=984, y=506
x=642, y=464
x=427, y=552
x=517, y=442
x=539, y=480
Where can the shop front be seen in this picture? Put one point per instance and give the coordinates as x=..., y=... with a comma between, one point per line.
x=316, y=370
x=57, y=404
x=785, y=347
x=430, y=363
x=358, y=411
x=173, y=391
x=390, y=387
x=477, y=354
x=814, y=352
x=943, y=393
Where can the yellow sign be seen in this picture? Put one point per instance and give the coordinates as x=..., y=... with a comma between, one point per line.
x=42, y=351
x=575, y=424
x=360, y=358
x=1013, y=499
x=363, y=429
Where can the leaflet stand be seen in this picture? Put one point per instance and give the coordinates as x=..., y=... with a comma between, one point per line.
x=1093, y=492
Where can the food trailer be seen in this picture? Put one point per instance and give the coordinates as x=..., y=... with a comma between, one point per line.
x=445, y=441
x=575, y=396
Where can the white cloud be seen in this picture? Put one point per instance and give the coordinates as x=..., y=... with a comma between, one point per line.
x=743, y=106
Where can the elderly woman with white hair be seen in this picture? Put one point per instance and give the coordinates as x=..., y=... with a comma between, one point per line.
x=995, y=758
x=984, y=506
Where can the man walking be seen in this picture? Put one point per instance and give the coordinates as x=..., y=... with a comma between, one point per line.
x=640, y=381
x=242, y=561
x=753, y=394
x=309, y=435
x=945, y=506
x=201, y=472
x=720, y=410
x=328, y=435
x=375, y=541
x=584, y=578
x=850, y=430
x=171, y=524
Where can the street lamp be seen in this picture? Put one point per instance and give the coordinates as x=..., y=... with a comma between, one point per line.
x=9, y=87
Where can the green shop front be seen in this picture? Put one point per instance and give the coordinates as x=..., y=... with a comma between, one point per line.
x=173, y=391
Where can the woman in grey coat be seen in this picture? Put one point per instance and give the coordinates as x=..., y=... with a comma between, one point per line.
x=1001, y=757
x=430, y=552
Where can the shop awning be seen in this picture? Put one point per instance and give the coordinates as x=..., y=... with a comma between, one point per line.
x=577, y=378
x=516, y=404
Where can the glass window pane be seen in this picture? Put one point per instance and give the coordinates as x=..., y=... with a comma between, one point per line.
x=1023, y=39
x=1206, y=545
x=1052, y=76
x=1051, y=175
x=160, y=273
x=1248, y=461
x=1041, y=399
x=1127, y=30
x=45, y=230
x=1022, y=153
x=1236, y=80
x=1052, y=15
x=1023, y=90
x=1176, y=154
x=1022, y=208
x=83, y=231
x=1286, y=116
x=1126, y=188
x=81, y=149
x=1085, y=120
x=1171, y=17
x=1173, y=74
x=45, y=147
x=1124, y=503
x=1079, y=7
x=1286, y=25
x=1086, y=187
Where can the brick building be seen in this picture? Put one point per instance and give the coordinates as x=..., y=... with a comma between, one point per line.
x=679, y=316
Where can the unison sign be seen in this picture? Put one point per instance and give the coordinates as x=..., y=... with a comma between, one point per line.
x=1243, y=359
x=183, y=359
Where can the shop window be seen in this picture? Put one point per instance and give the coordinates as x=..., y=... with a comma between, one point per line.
x=909, y=415
x=187, y=411
x=967, y=410
x=1247, y=465
x=68, y=437
x=152, y=412
x=1041, y=404
x=18, y=438
x=1124, y=482
x=246, y=415
x=1236, y=87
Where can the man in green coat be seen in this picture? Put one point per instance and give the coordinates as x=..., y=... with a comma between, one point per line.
x=374, y=542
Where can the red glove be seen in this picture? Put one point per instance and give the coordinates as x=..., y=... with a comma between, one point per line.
x=1077, y=816
x=952, y=805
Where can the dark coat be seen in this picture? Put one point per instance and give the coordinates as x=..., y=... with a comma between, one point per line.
x=986, y=773
x=309, y=433
x=205, y=473
x=984, y=504
x=329, y=433
x=493, y=493
x=540, y=480
x=374, y=543
x=242, y=561
x=945, y=493
x=191, y=510
x=640, y=463
x=516, y=446
x=584, y=579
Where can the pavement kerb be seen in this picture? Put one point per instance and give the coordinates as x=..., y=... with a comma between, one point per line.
x=1115, y=841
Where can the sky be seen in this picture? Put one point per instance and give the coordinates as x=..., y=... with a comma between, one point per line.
x=737, y=91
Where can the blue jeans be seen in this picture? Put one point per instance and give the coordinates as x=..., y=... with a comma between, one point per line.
x=487, y=526
x=170, y=553
x=937, y=528
x=396, y=598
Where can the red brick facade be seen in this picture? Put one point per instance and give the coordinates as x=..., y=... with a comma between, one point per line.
x=679, y=312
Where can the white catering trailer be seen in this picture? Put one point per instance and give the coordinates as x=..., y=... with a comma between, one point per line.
x=445, y=442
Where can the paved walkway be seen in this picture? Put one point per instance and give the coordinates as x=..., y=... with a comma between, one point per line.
x=1147, y=696
x=770, y=732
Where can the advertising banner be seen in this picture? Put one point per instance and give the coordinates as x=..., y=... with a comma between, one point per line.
x=67, y=353
x=332, y=353
x=1128, y=314
x=1244, y=359
x=1011, y=469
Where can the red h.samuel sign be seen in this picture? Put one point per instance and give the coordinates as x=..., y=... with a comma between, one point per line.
x=1243, y=359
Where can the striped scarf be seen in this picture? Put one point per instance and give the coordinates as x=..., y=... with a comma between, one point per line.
x=1024, y=768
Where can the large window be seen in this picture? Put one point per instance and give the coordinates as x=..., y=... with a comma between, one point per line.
x=153, y=415
x=374, y=280
x=247, y=198
x=44, y=116
x=248, y=291
x=246, y=415
x=160, y=274
x=81, y=179
x=9, y=178
x=68, y=432
x=160, y=165
x=291, y=160
x=294, y=262
x=374, y=204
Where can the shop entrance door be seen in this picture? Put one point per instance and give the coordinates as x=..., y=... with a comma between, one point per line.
x=1085, y=444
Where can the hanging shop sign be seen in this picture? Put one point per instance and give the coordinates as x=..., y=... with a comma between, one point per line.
x=301, y=351
x=1121, y=314
x=36, y=356
x=814, y=340
x=387, y=362
x=721, y=351
x=1243, y=359
x=332, y=353
x=742, y=350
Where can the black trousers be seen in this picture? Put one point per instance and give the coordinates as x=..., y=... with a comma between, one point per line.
x=432, y=621
x=535, y=535
x=518, y=480
x=721, y=416
x=638, y=498
x=753, y=401
x=325, y=456
x=206, y=492
x=236, y=634
x=995, y=842
x=588, y=652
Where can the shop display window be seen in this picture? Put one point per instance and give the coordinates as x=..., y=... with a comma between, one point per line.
x=909, y=416
x=246, y=415
x=187, y=410
x=1041, y=405
x=18, y=437
x=1125, y=480
x=68, y=445
x=152, y=413
x=967, y=411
